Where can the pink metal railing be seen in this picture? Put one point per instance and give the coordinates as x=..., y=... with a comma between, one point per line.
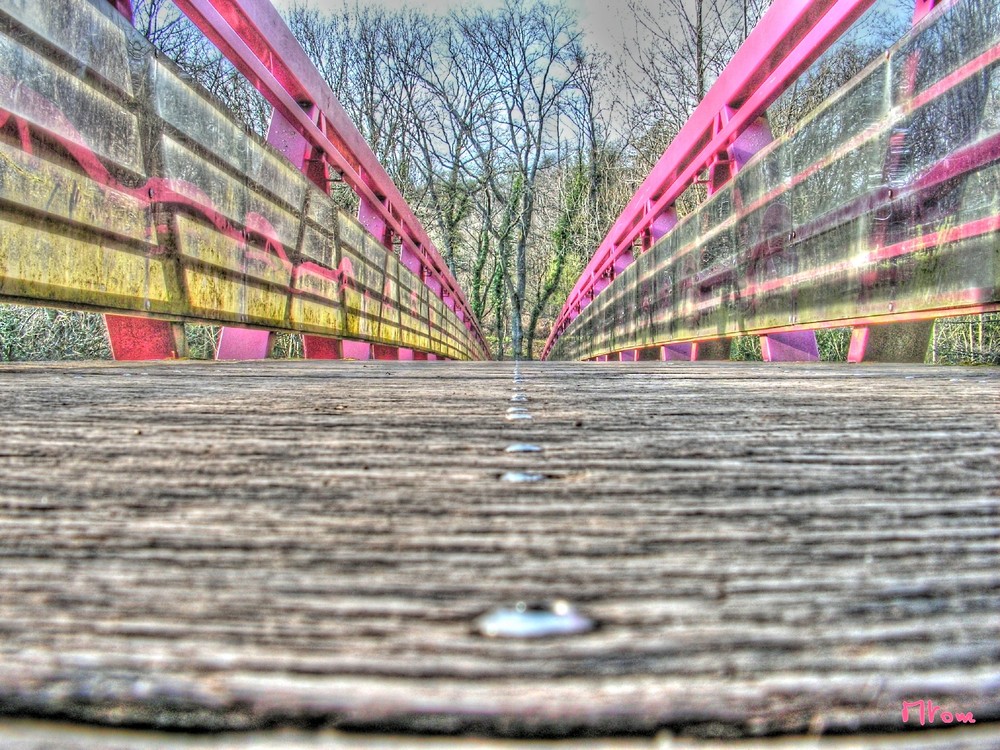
x=311, y=127
x=724, y=127
x=882, y=206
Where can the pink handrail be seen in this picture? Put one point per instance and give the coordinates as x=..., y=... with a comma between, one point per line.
x=786, y=41
x=254, y=37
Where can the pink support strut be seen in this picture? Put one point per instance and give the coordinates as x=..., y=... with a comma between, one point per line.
x=356, y=349
x=321, y=347
x=243, y=344
x=678, y=353
x=793, y=346
x=142, y=338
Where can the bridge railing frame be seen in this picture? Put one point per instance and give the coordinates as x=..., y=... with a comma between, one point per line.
x=312, y=129
x=726, y=130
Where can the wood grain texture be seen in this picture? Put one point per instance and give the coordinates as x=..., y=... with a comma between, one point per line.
x=29, y=735
x=768, y=549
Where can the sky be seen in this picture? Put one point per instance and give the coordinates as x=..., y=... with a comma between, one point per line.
x=602, y=21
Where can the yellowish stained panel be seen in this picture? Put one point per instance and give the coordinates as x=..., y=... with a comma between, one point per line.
x=230, y=299
x=54, y=267
x=207, y=246
x=40, y=186
x=308, y=314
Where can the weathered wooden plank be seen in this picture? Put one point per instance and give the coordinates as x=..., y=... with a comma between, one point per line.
x=51, y=98
x=80, y=30
x=767, y=550
x=32, y=185
x=40, y=736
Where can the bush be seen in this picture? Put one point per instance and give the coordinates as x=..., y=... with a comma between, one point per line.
x=40, y=334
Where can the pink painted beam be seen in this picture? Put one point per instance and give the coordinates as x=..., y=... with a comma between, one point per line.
x=143, y=338
x=789, y=38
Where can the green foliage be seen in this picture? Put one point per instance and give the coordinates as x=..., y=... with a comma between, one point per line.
x=833, y=344
x=287, y=346
x=967, y=340
x=569, y=234
x=41, y=334
x=746, y=349
x=202, y=340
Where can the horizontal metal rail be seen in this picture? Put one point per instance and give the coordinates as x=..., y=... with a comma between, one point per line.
x=790, y=37
x=125, y=188
x=883, y=206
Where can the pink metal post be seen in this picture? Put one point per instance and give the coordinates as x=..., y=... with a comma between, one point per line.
x=372, y=217
x=144, y=338
x=411, y=259
x=356, y=349
x=678, y=353
x=793, y=346
x=381, y=351
x=663, y=223
x=859, y=343
x=321, y=347
x=243, y=343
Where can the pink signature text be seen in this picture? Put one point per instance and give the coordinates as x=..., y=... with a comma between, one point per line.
x=928, y=712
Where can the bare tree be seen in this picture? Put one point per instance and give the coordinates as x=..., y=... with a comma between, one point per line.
x=522, y=62
x=676, y=51
x=178, y=39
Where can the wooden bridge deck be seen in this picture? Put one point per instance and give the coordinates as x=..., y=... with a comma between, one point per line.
x=768, y=550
